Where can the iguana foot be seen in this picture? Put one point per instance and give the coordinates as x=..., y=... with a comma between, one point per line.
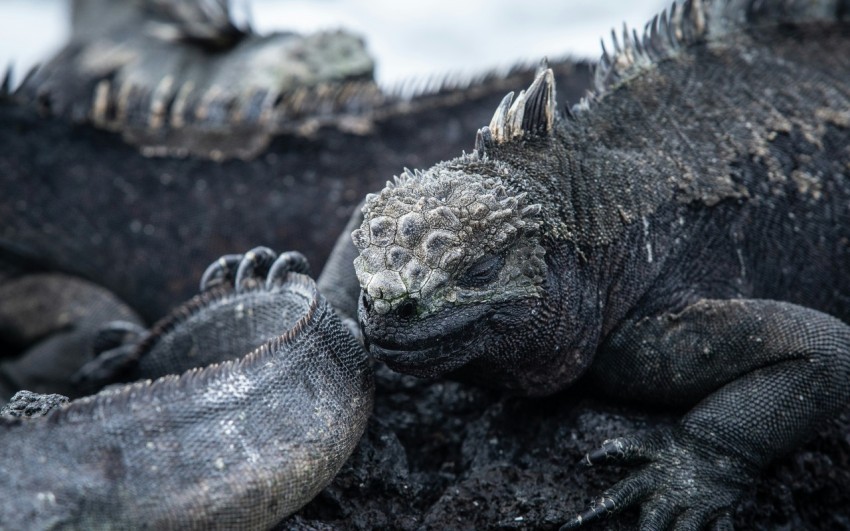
x=50, y=323
x=116, y=334
x=116, y=344
x=29, y=405
x=114, y=350
x=686, y=484
x=244, y=270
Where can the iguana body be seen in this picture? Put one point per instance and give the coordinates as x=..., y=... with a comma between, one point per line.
x=236, y=445
x=681, y=239
x=86, y=199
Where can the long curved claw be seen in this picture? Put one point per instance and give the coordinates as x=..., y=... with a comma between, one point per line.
x=255, y=265
x=597, y=509
x=222, y=271
x=626, y=450
x=624, y=494
x=289, y=261
x=686, y=484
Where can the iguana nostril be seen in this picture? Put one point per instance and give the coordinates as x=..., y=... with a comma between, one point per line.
x=407, y=309
x=366, y=300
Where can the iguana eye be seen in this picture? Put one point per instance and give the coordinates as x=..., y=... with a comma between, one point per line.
x=482, y=272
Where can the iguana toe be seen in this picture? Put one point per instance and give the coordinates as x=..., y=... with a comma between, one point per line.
x=254, y=267
x=626, y=449
x=623, y=495
x=249, y=269
x=220, y=272
x=289, y=261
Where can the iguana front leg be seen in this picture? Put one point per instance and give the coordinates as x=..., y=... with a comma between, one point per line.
x=763, y=375
x=52, y=322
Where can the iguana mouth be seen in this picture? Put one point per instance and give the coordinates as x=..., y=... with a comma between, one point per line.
x=428, y=357
x=424, y=363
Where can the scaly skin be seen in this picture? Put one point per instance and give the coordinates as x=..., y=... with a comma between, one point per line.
x=139, y=202
x=679, y=239
x=235, y=445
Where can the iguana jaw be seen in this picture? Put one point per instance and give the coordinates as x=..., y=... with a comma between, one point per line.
x=425, y=363
x=448, y=340
x=428, y=347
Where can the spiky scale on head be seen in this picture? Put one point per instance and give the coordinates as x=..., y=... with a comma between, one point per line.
x=427, y=228
x=531, y=113
x=426, y=234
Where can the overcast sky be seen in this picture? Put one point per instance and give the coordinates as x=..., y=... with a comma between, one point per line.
x=409, y=39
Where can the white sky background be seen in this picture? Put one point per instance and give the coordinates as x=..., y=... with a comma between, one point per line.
x=409, y=39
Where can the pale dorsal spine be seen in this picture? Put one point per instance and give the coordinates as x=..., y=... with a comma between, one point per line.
x=532, y=113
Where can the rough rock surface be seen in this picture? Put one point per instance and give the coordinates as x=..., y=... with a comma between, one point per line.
x=443, y=455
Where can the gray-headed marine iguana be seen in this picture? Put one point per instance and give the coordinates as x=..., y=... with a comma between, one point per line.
x=132, y=160
x=681, y=237
x=213, y=442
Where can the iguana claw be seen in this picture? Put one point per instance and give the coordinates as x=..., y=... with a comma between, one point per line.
x=289, y=261
x=255, y=265
x=245, y=270
x=686, y=484
x=222, y=271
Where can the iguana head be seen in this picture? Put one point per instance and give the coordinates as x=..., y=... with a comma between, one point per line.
x=453, y=266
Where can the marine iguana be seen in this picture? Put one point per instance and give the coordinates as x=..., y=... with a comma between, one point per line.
x=237, y=444
x=139, y=201
x=178, y=77
x=681, y=237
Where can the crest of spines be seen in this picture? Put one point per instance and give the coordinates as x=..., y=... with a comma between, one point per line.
x=662, y=37
x=115, y=106
x=532, y=113
x=6, y=85
x=694, y=21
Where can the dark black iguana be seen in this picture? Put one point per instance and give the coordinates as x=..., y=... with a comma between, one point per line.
x=681, y=238
x=135, y=184
x=235, y=445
